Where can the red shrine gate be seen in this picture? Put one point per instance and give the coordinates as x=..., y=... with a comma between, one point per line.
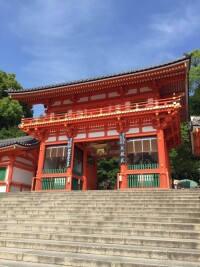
x=134, y=116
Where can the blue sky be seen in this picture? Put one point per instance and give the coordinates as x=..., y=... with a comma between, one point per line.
x=50, y=41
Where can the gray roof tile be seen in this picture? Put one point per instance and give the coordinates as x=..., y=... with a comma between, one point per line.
x=26, y=141
x=99, y=77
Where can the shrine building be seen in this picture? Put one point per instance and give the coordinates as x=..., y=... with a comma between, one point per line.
x=134, y=116
x=18, y=163
x=194, y=127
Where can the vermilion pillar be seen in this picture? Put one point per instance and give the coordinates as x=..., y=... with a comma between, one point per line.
x=12, y=159
x=84, y=169
x=163, y=160
x=40, y=165
x=123, y=184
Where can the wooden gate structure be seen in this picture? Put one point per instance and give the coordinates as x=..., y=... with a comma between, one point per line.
x=134, y=116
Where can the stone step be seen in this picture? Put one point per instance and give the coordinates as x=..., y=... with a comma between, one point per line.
x=102, y=198
x=9, y=263
x=95, y=204
x=177, y=217
x=75, y=219
x=90, y=260
x=102, y=208
x=106, y=215
x=68, y=196
x=176, y=234
x=144, y=191
x=165, y=242
x=101, y=227
x=104, y=249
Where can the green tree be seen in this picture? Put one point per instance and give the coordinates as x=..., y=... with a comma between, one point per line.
x=10, y=132
x=195, y=102
x=11, y=111
x=194, y=74
x=7, y=81
x=183, y=163
x=194, y=83
x=107, y=171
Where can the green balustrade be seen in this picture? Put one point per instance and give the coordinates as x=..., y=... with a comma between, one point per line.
x=57, y=183
x=143, y=180
x=62, y=170
x=142, y=166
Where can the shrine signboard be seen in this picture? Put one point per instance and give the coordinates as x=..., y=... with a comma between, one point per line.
x=122, y=148
x=69, y=152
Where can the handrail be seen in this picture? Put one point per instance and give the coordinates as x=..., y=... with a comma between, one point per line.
x=105, y=111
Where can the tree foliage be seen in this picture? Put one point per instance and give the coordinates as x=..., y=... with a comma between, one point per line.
x=194, y=74
x=11, y=111
x=10, y=132
x=195, y=102
x=7, y=81
x=107, y=171
x=183, y=163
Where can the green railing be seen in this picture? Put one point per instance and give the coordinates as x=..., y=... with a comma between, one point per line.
x=143, y=166
x=77, y=172
x=143, y=180
x=52, y=183
x=46, y=171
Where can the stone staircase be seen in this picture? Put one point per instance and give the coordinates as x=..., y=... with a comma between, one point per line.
x=100, y=228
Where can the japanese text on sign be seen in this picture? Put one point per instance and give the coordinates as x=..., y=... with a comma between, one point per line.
x=122, y=145
x=69, y=152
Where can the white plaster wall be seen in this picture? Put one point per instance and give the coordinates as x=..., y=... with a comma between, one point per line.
x=133, y=130
x=80, y=136
x=57, y=103
x=2, y=188
x=24, y=161
x=95, y=97
x=114, y=94
x=112, y=132
x=83, y=99
x=131, y=91
x=148, y=129
x=51, y=139
x=67, y=101
x=96, y=134
x=5, y=158
x=145, y=89
x=22, y=176
x=62, y=138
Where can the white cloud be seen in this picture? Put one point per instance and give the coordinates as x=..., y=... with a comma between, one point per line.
x=176, y=25
x=71, y=39
x=58, y=36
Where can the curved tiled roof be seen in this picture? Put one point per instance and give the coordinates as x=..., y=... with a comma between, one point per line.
x=24, y=141
x=99, y=77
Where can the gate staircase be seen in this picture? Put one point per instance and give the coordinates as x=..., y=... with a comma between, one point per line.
x=100, y=228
